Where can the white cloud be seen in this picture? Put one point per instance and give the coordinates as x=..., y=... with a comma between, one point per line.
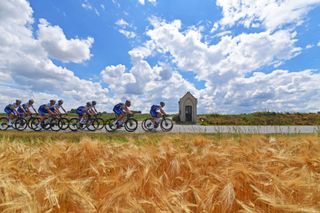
x=230, y=56
x=279, y=90
x=309, y=46
x=318, y=44
x=54, y=41
x=122, y=23
x=224, y=67
x=88, y=6
x=125, y=29
x=271, y=14
x=27, y=69
x=153, y=2
x=128, y=34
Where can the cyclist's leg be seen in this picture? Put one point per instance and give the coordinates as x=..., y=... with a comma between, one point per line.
x=119, y=116
x=10, y=114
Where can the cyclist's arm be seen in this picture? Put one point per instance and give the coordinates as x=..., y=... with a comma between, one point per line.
x=64, y=110
x=35, y=111
x=93, y=111
x=49, y=110
x=28, y=111
x=162, y=112
x=127, y=110
x=24, y=111
x=58, y=111
x=89, y=112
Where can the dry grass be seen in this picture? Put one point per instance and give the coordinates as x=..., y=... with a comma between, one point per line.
x=169, y=173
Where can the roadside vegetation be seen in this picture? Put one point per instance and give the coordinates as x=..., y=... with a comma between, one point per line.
x=261, y=118
x=58, y=172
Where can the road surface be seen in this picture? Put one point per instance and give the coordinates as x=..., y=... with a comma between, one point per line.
x=230, y=129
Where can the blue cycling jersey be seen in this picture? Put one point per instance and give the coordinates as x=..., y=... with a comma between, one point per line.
x=12, y=106
x=24, y=107
x=119, y=106
x=155, y=108
x=82, y=109
x=45, y=107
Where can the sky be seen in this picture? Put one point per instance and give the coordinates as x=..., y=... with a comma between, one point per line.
x=233, y=56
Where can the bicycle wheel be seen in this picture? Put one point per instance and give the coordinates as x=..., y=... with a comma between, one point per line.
x=147, y=125
x=45, y=124
x=143, y=125
x=20, y=124
x=29, y=122
x=4, y=124
x=74, y=124
x=166, y=124
x=100, y=123
x=63, y=123
x=110, y=126
x=92, y=124
x=35, y=124
x=54, y=124
x=131, y=125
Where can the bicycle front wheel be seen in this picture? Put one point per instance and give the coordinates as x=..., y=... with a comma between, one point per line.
x=20, y=124
x=74, y=124
x=110, y=126
x=166, y=124
x=35, y=124
x=63, y=123
x=92, y=124
x=131, y=125
x=54, y=125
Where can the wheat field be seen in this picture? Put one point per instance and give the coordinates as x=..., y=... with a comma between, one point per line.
x=161, y=173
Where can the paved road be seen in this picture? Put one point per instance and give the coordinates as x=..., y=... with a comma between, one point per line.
x=234, y=129
x=247, y=129
x=239, y=129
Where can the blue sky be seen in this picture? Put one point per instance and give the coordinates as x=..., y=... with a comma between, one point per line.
x=234, y=57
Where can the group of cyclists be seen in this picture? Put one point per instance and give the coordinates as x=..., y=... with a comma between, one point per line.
x=55, y=108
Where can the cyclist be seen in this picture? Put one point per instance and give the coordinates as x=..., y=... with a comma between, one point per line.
x=24, y=109
x=121, y=109
x=46, y=109
x=93, y=109
x=11, y=111
x=156, y=112
x=84, y=110
x=59, y=106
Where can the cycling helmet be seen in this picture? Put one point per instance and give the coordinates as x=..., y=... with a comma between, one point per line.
x=18, y=102
x=88, y=104
x=128, y=103
x=31, y=101
x=162, y=104
x=94, y=103
x=52, y=102
x=60, y=102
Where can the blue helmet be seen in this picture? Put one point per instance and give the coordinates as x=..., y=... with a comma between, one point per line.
x=31, y=101
x=18, y=102
x=128, y=103
x=60, y=102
